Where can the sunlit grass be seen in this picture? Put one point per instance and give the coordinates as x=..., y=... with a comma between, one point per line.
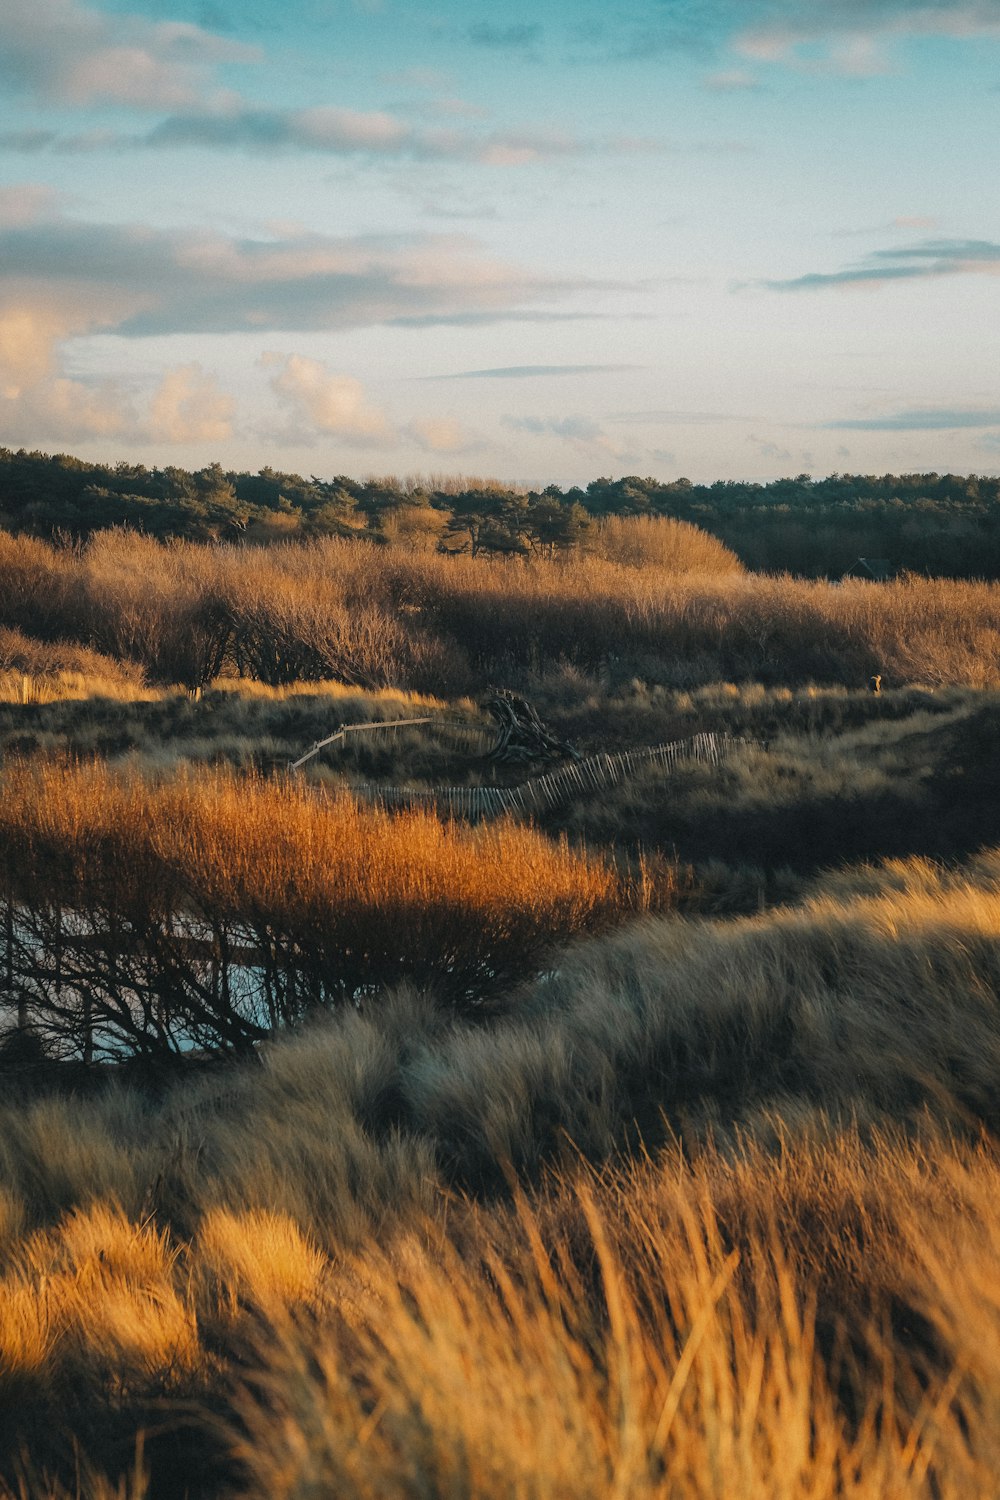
x=707, y=1327
x=666, y=603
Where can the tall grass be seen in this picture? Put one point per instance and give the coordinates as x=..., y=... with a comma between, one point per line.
x=662, y=544
x=33, y=671
x=819, y=1324
x=623, y=1340
x=381, y=617
x=211, y=908
x=688, y=1208
x=711, y=1209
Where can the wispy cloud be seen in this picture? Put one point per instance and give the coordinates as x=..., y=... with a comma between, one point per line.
x=529, y=372
x=534, y=315
x=81, y=277
x=907, y=222
x=515, y=37
x=671, y=417
x=930, y=259
x=849, y=36
x=332, y=131
x=577, y=429
x=579, y=432
x=931, y=419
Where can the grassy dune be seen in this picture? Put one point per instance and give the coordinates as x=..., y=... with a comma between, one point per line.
x=677, y=612
x=647, y=1151
x=787, y=1289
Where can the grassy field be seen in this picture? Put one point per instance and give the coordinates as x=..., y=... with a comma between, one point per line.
x=646, y=1149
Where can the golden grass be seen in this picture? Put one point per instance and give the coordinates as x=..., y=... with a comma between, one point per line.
x=328, y=899
x=617, y=1340
x=659, y=543
x=819, y=1323
x=674, y=608
x=235, y=841
x=97, y=1296
x=793, y=1298
x=33, y=671
x=258, y=1258
x=803, y=1308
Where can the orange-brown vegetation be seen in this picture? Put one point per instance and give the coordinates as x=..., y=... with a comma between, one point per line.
x=509, y=1194
x=818, y=1323
x=678, y=611
x=34, y=671
x=138, y=904
x=785, y=1287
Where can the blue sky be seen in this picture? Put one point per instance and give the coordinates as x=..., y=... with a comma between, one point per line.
x=737, y=238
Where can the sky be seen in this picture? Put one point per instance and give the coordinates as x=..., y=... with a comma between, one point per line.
x=724, y=239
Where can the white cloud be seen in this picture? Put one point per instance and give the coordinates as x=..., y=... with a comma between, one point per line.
x=189, y=407
x=327, y=402
x=27, y=341
x=39, y=402
x=55, y=409
x=848, y=36
x=73, y=54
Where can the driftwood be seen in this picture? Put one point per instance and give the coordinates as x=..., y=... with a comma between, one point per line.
x=522, y=738
x=339, y=735
x=375, y=727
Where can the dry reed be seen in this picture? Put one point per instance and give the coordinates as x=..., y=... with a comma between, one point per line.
x=381, y=617
x=818, y=1324
x=134, y=905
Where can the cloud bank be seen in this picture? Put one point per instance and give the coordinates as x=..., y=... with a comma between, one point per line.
x=936, y=419
x=848, y=36
x=931, y=259
x=72, y=54
x=72, y=277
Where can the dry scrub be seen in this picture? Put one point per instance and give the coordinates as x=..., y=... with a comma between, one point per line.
x=380, y=616
x=788, y=1290
x=817, y=1324
x=209, y=908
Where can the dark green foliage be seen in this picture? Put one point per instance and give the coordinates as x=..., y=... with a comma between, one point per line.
x=941, y=524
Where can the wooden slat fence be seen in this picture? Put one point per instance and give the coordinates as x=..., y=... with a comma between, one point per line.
x=547, y=791
x=470, y=735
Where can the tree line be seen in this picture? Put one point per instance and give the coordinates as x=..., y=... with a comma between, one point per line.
x=937, y=524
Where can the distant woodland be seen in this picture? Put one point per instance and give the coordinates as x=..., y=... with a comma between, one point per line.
x=944, y=525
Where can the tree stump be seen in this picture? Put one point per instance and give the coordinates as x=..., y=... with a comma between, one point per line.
x=522, y=738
